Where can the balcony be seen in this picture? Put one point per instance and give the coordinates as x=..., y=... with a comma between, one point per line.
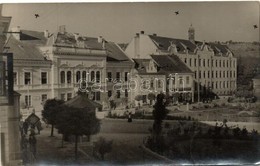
x=32, y=87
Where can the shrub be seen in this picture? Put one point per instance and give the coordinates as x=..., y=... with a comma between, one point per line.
x=167, y=125
x=102, y=146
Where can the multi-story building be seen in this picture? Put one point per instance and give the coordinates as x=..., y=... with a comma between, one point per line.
x=59, y=65
x=10, y=151
x=164, y=74
x=119, y=71
x=213, y=64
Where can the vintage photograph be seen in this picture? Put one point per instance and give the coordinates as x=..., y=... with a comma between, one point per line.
x=130, y=83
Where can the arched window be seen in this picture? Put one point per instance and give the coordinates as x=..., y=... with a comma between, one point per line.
x=68, y=77
x=92, y=76
x=84, y=75
x=98, y=76
x=62, y=77
x=77, y=76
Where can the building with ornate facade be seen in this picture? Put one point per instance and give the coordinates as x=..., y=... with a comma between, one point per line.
x=213, y=64
x=59, y=65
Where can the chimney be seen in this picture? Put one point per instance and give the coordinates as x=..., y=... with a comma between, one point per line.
x=17, y=31
x=62, y=29
x=142, y=32
x=100, y=39
x=46, y=34
x=154, y=34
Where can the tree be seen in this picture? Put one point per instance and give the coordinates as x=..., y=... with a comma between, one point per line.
x=103, y=146
x=159, y=113
x=77, y=122
x=151, y=97
x=50, y=111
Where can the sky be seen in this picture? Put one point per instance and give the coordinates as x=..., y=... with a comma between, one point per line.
x=119, y=22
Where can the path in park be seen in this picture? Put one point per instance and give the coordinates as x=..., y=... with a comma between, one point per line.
x=127, y=139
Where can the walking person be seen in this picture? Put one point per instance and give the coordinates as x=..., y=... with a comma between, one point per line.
x=130, y=117
x=25, y=127
x=32, y=142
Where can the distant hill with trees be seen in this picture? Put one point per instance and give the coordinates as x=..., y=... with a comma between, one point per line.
x=248, y=58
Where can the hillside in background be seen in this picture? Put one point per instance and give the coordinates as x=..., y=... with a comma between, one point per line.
x=245, y=49
x=248, y=58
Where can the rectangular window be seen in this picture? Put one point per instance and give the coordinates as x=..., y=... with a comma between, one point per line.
x=109, y=76
x=187, y=80
x=69, y=96
x=44, y=97
x=199, y=74
x=223, y=84
x=15, y=78
x=27, y=100
x=208, y=74
x=118, y=76
x=199, y=62
x=97, y=96
x=216, y=85
x=126, y=76
x=212, y=62
x=126, y=93
x=195, y=62
x=62, y=96
x=216, y=63
x=27, y=78
x=190, y=62
x=212, y=74
x=118, y=94
x=109, y=93
x=204, y=63
x=212, y=85
x=44, y=77
x=223, y=63
x=216, y=74
x=227, y=63
x=204, y=74
x=223, y=74
x=219, y=63
x=219, y=74
x=185, y=60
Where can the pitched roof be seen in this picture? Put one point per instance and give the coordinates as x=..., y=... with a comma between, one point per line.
x=27, y=47
x=170, y=63
x=217, y=47
x=69, y=40
x=163, y=43
x=140, y=64
x=115, y=53
x=82, y=101
x=123, y=46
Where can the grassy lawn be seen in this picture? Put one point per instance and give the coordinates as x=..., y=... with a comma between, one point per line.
x=200, y=150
